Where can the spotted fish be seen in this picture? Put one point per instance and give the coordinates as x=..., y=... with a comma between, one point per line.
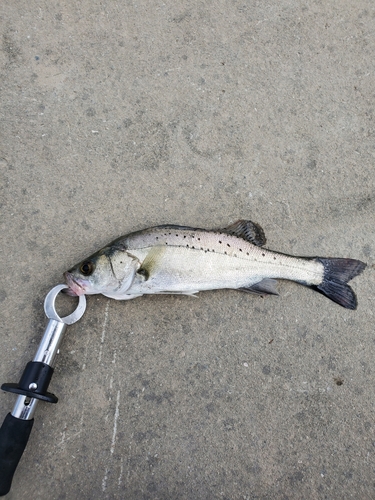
x=184, y=260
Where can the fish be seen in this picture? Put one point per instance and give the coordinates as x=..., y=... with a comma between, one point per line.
x=172, y=259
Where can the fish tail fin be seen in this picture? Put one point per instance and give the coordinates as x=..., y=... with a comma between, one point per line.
x=337, y=273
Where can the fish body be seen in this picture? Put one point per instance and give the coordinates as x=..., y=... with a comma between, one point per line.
x=184, y=260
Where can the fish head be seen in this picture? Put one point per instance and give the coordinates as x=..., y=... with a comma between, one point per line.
x=108, y=271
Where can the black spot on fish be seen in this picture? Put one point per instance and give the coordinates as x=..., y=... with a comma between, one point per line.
x=143, y=272
x=274, y=258
x=220, y=241
x=225, y=253
x=199, y=239
x=185, y=236
x=240, y=249
x=228, y=245
x=263, y=254
x=247, y=253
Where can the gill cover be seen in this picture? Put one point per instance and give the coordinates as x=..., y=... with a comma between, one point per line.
x=111, y=270
x=124, y=267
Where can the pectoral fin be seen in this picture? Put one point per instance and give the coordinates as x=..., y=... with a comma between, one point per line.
x=151, y=262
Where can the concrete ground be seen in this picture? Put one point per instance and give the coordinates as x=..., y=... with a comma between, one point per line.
x=116, y=116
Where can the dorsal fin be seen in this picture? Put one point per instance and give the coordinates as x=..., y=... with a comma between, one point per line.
x=247, y=230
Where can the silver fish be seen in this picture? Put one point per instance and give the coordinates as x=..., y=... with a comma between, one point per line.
x=185, y=260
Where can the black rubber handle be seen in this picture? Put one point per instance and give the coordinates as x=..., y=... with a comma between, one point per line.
x=14, y=435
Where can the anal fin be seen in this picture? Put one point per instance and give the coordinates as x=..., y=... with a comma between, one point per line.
x=265, y=287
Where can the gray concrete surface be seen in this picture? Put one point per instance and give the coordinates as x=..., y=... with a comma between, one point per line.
x=120, y=115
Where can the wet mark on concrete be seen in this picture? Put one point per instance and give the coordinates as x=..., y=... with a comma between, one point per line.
x=127, y=122
x=297, y=477
x=335, y=208
x=10, y=48
x=134, y=393
x=3, y=295
x=348, y=474
x=229, y=424
x=311, y=164
x=152, y=461
x=210, y=407
x=90, y=112
x=367, y=250
x=140, y=437
x=196, y=371
x=182, y=17
x=159, y=398
x=266, y=370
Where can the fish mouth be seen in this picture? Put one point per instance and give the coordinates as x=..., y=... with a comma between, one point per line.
x=75, y=289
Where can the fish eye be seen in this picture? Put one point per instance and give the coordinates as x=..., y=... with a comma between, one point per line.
x=87, y=268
